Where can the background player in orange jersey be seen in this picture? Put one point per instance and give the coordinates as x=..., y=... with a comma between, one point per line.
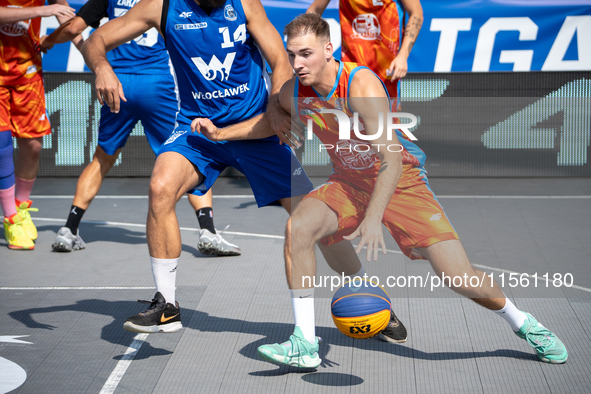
x=373, y=35
x=22, y=110
x=368, y=187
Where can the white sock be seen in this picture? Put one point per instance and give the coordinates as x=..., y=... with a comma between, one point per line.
x=303, y=312
x=512, y=315
x=164, y=271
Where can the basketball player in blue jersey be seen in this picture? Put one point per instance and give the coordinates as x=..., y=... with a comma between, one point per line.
x=142, y=65
x=218, y=50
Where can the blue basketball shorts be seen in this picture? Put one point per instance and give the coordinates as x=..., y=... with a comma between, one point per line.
x=272, y=170
x=151, y=99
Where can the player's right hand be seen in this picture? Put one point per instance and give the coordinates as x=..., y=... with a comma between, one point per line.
x=109, y=90
x=207, y=128
x=59, y=10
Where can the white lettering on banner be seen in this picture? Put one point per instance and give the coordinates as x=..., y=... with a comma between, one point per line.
x=221, y=93
x=581, y=25
x=528, y=31
x=449, y=29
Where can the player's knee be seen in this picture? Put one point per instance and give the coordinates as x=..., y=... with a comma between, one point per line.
x=105, y=160
x=300, y=233
x=30, y=147
x=160, y=193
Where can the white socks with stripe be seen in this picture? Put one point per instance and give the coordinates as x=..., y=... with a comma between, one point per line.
x=164, y=271
x=302, y=301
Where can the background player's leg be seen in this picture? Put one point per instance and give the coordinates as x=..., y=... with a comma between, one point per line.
x=6, y=174
x=449, y=259
x=91, y=179
x=89, y=184
x=14, y=233
x=210, y=242
x=27, y=165
x=25, y=171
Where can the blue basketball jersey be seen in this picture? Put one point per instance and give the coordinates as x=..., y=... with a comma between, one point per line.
x=220, y=71
x=145, y=54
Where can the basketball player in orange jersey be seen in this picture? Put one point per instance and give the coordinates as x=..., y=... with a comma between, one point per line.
x=370, y=185
x=22, y=110
x=373, y=35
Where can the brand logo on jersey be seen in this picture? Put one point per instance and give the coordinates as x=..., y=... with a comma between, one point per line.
x=16, y=28
x=366, y=27
x=435, y=217
x=377, y=3
x=175, y=134
x=185, y=14
x=221, y=93
x=298, y=171
x=191, y=26
x=215, y=67
x=127, y=3
x=230, y=13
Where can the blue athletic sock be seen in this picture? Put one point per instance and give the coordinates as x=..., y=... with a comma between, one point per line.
x=6, y=162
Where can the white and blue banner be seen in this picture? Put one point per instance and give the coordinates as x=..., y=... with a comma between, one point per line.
x=457, y=35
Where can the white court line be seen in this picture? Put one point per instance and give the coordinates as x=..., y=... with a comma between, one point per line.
x=143, y=226
x=123, y=364
x=238, y=196
x=251, y=235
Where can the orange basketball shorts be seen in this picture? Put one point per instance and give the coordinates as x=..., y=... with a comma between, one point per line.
x=413, y=216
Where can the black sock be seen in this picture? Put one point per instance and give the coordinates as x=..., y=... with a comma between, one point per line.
x=205, y=217
x=74, y=219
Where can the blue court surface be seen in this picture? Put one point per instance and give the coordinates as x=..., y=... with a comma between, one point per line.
x=62, y=314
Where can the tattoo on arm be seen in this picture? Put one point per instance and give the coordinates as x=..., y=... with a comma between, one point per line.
x=412, y=30
x=383, y=167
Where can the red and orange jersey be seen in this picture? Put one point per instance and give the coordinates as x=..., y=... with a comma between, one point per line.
x=371, y=35
x=354, y=157
x=20, y=60
x=343, y=153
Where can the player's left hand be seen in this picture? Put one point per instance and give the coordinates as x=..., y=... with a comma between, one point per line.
x=207, y=128
x=398, y=68
x=370, y=231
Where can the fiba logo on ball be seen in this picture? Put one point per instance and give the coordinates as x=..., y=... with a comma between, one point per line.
x=360, y=308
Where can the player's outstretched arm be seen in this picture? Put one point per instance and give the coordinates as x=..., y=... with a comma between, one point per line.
x=139, y=19
x=254, y=128
x=270, y=43
x=368, y=98
x=69, y=31
x=11, y=15
x=318, y=7
x=399, y=66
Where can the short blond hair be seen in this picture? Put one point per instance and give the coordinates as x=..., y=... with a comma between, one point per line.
x=308, y=24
